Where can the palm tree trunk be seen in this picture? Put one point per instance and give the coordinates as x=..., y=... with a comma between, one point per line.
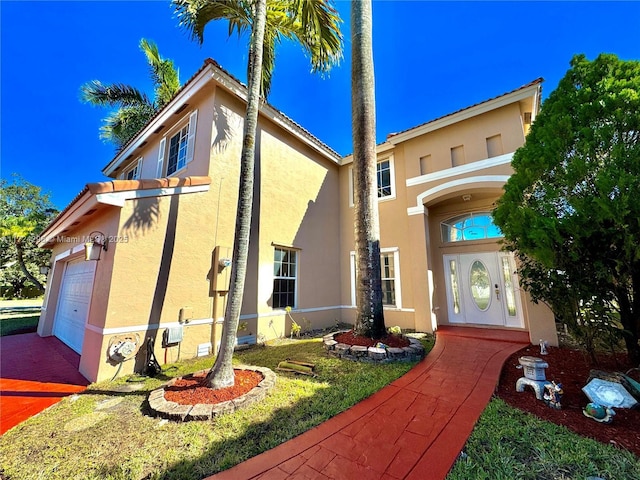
x=369, y=312
x=221, y=374
x=23, y=266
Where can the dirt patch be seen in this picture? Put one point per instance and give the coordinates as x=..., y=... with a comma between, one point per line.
x=571, y=368
x=350, y=338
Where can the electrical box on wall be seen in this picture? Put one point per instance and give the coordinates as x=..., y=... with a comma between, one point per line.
x=186, y=314
x=220, y=269
x=172, y=336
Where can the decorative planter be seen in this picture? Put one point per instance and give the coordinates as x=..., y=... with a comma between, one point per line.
x=415, y=351
x=206, y=411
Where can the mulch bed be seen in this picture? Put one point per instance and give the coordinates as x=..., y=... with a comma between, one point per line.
x=350, y=338
x=571, y=368
x=192, y=390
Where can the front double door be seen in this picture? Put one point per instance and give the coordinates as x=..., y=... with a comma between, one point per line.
x=482, y=289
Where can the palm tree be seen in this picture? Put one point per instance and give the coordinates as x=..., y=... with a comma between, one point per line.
x=133, y=107
x=315, y=25
x=369, y=311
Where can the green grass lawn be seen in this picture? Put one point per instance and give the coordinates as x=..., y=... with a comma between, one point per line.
x=19, y=322
x=105, y=434
x=508, y=444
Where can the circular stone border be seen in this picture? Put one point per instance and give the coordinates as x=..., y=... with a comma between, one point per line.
x=206, y=411
x=415, y=351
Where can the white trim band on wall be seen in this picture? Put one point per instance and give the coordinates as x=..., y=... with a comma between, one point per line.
x=461, y=169
x=147, y=327
x=436, y=192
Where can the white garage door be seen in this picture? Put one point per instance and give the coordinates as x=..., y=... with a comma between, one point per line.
x=73, y=303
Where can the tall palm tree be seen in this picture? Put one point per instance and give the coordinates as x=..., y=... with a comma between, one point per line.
x=369, y=311
x=315, y=25
x=133, y=107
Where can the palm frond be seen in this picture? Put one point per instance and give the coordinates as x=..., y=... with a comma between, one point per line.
x=193, y=15
x=113, y=95
x=317, y=28
x=165, y=76
x=121, y=125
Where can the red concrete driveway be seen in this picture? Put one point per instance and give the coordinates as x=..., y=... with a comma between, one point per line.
x=35, y=373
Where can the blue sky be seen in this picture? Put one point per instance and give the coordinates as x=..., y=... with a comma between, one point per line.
x=431, y=58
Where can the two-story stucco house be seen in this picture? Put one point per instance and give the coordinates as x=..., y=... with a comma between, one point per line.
x=163, y=228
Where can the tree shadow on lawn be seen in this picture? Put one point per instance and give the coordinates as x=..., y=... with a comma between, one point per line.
x=245, y=440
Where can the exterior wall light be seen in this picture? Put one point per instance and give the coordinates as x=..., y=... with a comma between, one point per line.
x=95, y=244
x=224, y=262
x=44, y=269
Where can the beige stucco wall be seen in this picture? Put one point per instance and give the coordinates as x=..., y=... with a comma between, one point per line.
x=411, y=220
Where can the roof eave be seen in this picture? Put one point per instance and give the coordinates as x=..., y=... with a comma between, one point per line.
x=199, y=81
x=531, y=90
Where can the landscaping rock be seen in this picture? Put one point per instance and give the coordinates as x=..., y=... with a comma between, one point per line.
x=342, y=348
x=359, y=351
x=201, y=411
x=377, y=353
x=330, y=344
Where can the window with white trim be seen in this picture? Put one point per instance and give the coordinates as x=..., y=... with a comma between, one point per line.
x=133, y=172
x=383, y=171
x=285, y=277
x=385, y=176
x=387, y=263
x=179, y=152
x=390, y=270
x=177, y=158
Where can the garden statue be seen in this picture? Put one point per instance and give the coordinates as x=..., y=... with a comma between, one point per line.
x=553, y=395
x=534, y=375
x=599, y=413
x=543, y=347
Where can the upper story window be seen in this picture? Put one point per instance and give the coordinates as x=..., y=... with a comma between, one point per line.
x=385, y=176
x=285, y=277
x=179, y=152
x=470, y=226
x=385, y=186
x=133, y=172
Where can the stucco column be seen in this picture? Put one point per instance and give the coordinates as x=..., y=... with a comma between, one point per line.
x=420, y=277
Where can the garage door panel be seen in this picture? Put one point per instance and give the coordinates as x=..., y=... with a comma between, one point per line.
x=73, y=303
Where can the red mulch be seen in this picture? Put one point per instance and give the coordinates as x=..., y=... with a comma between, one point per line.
x=350, y=338
x=571, y=368
x=191, y=390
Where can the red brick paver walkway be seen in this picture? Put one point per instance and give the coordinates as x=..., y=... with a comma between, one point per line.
x=413, y=429
x=35, y=373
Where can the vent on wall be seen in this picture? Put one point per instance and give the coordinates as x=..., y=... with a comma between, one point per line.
x=527, y=118
x=181, y=108
x=204, y=349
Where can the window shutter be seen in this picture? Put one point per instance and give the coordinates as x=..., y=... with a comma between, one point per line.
x=138, y=171
x=163, y=144
x=192, y=135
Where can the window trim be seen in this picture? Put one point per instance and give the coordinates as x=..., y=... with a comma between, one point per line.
x=296, y=284
x=392, y=173
x=396, y=278
x=135, y=167
x=190, y=121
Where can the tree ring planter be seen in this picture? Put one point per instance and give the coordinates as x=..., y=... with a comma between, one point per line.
x=161, y=407
x=415, y=351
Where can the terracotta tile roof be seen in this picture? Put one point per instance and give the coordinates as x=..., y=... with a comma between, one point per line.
x=523, y=87
x=213, y=63
x=146, y=184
